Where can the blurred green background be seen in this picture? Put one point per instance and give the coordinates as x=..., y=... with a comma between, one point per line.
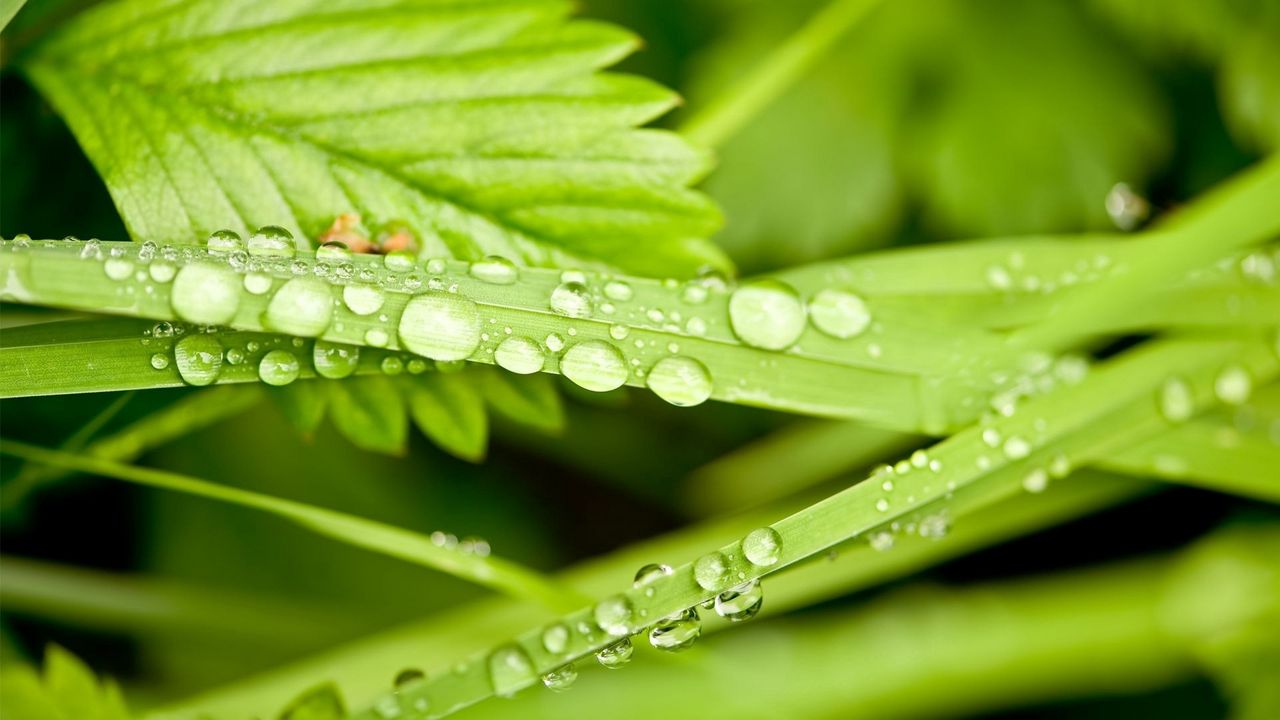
x=931, y=122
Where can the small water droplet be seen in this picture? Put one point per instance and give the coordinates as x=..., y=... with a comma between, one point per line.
x=711, y=571
x=571, y=299
x=118, y=268
x=199, y=359
x=376, y=337
x=555, y=639
x=510, y=669
x=681, y=381
x=617, y=290
x=1035, y=481
x=221, y=242
x=519, y=355
x=839, y=313
x=594, y=365
x=205, y=294
x=334, y=251
x=271, y=241
x=391, y=365
x=555, y=343
x=676, y=632
x=302, y=306
x=651, y=573
x=495, y=270
x=1233, y=385
x=258, y=283
x=363, y=299
x=616, y=655
x=613, y=615
x=162, y=271
x=441, y=326
x=399, y=261
x=1016, y=448
x=762, y=546
x=618, y=331
x=934, y=527
x=159, y=361
x=407, y=677
x=560, y=679
x=278, y=367
x=740, y=603
x=882, y=505
x=881, y=541
x=1175, y=400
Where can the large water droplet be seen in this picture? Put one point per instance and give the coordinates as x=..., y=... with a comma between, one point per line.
x=560, y=679
x=762, y=546
x=767, y=314
x=613, y=615
x=519, y=355
x=676, y=632
x=335, y=360
x=496, y=270
x=594, y=365
x=199, y=359
x=711, y=571
x=278, y=367
x=1175, y=400
x=205, y=294
x=839, y=313
x=571, y=299
x=271, y=241
x=222, y=242
x=1233, y=385
x=681, y=381
x=441, y=326
x=740, y=603
x=510, y=669
x=302, y=307
x=617, y=654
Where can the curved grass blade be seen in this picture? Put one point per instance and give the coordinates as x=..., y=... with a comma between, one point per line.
x=495, y=573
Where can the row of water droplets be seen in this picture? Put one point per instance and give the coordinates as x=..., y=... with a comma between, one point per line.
x=611, y=623
x=440, y=322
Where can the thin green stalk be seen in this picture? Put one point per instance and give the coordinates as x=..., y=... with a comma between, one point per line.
x=737, y=104
x=495, y=573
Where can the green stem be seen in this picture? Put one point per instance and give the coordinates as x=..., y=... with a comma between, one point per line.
x=742, y=101
x=496, y=573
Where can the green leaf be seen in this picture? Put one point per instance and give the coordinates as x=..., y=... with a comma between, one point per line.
x=303, y=403
x=67, y=691
x=9, y=8
x=529, y=400
x=369, y=411
x=450, y=411
x=484, y=125
x=482, y=569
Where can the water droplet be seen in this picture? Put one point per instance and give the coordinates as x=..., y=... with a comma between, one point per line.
x=376, y=337
x=571, y=299
x=882, y=505
x=740, y=603
x=441, y=326
x=496, y=270
x=560, y=679
x=619, y=331
x=681, y=381
x=235, y=356
x=199, y=359
x=391, y=365
x=118, y=268
x=1016, y=448
x=162, y=271
x=363, y=299
x=1233, y=385
x=555, y=343
x=711, y=571
x=334, y=251
x=676, y=632
x=839, y=314
x=1059, y=467
x=617, y=290
x=767, y=314
x=271, y=241
x=399, y=261
x=594, y=365
x=613, y=615
x=519, y=355
x=278, y=367
x=159, y=361
x=258, y=283
x=302, y=306
x=616, y=655
x=650, y=574
x=555, y=639
x=221, y=242
x=510, y=669
x=205, y=294
x=881, y=541
x=762, y=546
x=934, y=527
x=1035, y=481
x=407, y=677
x=1175, y=400
x=1126, y=208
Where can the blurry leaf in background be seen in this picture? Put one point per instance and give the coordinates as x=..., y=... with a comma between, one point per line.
x=320, y=703
x=68, y=690
x=1238, y=38
x=993, y=117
